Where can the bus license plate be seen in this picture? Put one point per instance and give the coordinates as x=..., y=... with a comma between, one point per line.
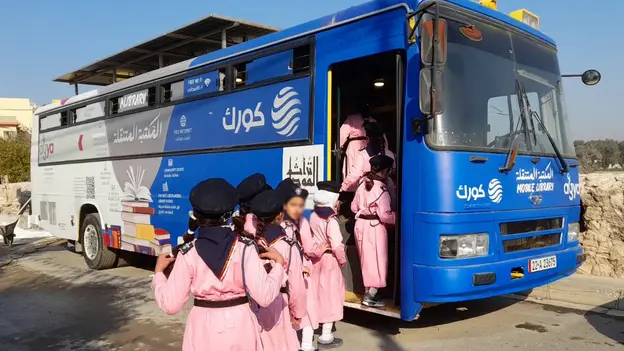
x=542, y=264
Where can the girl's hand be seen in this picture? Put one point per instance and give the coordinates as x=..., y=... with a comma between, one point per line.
x=274, y=255
x=163, y=261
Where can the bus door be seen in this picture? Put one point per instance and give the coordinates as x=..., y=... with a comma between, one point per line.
x=371, y=85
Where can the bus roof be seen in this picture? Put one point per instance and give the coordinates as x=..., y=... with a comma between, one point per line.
x=308, y=28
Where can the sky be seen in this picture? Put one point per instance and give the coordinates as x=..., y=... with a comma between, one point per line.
x=42, y=39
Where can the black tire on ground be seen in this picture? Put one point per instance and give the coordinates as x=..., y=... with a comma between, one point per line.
x=104, y=258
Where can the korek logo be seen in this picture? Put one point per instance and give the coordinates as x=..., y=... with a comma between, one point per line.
x=571, y=189
x=286, y=111
x=45, y=149
x=495, y=191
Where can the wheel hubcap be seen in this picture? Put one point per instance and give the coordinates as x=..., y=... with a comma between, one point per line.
x=90, y=241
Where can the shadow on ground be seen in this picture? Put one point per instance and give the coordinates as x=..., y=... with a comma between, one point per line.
x=607, y=325
x=39, y=312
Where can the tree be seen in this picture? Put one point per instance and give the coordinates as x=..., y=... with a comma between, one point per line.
x=15, y=156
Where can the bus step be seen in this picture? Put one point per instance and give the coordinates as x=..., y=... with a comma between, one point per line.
x=353, y=300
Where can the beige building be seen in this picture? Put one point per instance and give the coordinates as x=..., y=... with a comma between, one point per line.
x=13, y=113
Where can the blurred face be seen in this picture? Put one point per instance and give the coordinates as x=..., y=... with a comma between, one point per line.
x=294, y=208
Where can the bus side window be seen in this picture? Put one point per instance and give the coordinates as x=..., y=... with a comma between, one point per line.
x=65, y=118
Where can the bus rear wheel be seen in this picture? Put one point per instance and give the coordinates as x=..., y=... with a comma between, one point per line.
x=94, y=252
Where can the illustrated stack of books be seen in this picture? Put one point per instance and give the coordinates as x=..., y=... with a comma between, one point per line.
x=139, y=234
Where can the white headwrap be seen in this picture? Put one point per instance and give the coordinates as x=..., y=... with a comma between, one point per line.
x=324, y=198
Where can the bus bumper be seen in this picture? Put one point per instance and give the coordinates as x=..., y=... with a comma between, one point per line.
x=439, y=284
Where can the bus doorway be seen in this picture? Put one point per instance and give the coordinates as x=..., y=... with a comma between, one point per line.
x=371, y=85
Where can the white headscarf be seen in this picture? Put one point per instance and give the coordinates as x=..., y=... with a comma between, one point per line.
x=324, y=198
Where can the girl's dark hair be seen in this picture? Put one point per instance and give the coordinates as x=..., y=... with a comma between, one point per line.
x=193, y=224
x=369, y=177
x=263, y=222
x=239, y=227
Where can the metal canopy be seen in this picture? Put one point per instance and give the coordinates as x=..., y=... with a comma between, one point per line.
x=209, y=34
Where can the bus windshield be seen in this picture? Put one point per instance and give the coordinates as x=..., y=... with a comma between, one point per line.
x=481, y=109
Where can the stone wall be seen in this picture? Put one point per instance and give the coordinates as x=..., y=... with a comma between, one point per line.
x=12, y=196
x=602, y=236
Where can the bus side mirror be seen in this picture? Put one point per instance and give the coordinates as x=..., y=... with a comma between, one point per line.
x=428, y=45
x=591, y=77
x=425, y=91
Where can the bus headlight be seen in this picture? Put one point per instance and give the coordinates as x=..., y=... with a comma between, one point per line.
x=464, y=246
x=573, y=231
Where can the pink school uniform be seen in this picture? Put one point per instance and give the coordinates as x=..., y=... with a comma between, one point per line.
x=327, y=275
x=229, y=328
x=223, y=272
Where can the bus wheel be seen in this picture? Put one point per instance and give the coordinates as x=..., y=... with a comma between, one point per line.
x=94, y=252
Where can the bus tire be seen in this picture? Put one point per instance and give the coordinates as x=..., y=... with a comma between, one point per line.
x=96, y=255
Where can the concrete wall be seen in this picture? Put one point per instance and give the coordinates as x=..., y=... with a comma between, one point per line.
x=13, y=196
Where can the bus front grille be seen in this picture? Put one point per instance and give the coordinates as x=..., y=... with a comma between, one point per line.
x=529, y=226
x=533, y=242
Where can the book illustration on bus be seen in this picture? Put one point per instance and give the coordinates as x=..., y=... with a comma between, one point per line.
x=138, y=233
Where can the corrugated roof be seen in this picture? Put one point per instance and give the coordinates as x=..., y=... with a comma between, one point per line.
x=189, y=41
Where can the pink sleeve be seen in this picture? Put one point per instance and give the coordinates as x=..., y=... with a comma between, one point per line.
x=345, y=131
x=335, y=240
x=355, y=204
x=384, y=210
x=296, y=286
x=171, y=294
x=263, y=287
x=310, y=247
x=355, y=173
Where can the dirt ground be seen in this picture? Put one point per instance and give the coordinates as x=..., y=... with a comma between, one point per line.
x=49, y=300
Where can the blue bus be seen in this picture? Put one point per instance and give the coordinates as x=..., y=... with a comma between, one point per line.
x=471, y=102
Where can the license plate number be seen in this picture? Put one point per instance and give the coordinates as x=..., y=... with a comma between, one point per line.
x=542, y=264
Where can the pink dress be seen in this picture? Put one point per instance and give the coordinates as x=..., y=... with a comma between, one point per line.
x=327, y=275
x=361, y=166
x=371, y=235
x=231, y=328
x=311, y=317
x=353, y=127
x=277, y=333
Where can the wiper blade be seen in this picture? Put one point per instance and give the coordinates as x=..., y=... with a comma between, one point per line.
x=562, y=161
x=510, y=162
x=520, y=92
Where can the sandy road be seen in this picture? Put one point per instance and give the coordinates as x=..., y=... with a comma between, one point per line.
x=49, y=300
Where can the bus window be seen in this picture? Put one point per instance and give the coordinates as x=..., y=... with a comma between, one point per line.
x=64, y=118
x=91, y=111
x=503, y=114
x=281, y=64
x=205, y=83
x=51, y=121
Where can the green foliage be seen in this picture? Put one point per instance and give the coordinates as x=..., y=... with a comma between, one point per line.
x=600, y=155
x=15, y=156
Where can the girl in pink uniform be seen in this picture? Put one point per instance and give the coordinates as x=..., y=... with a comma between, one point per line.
x=247, y=189
x=327, y=275
x=360, y=166
x=373, y=213
x=224, y=273
x=353, y=137
x=297, y=228
x=290, y=307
